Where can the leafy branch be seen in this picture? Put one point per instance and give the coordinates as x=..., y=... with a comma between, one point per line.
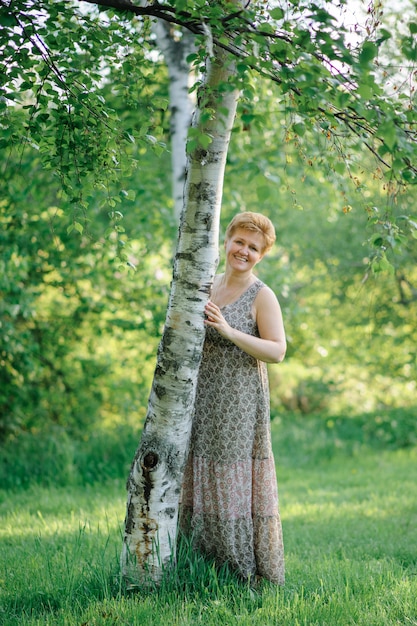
x=281, y=55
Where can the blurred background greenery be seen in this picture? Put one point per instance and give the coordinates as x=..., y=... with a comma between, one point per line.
x=79, y=330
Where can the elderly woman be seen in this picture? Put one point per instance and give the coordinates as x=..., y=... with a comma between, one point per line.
x=230, y=495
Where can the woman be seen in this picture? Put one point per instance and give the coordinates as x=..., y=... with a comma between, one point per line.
x=230, y=497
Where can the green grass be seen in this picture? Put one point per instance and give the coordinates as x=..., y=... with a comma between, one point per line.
x=350, y=528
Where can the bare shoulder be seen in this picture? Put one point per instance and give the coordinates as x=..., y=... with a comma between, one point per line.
x=268, y=316
x=266, y=297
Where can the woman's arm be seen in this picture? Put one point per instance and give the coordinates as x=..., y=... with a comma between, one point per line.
x=271, y=345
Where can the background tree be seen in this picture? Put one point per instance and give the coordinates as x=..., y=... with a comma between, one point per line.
x=177, y=45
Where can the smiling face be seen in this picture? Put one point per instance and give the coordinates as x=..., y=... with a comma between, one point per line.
x=244, y=249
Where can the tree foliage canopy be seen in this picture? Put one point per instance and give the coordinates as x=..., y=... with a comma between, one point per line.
x=63, y=60
x=57, y=57
x=348, y=89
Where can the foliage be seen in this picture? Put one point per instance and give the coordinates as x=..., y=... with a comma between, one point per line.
x=345, y=88
x=339, y=86
x=54, y=458
x=84, y=123
x=69, y=302
x=350, y=342
x=286, y=173
x=68, y=305
x=56, y=62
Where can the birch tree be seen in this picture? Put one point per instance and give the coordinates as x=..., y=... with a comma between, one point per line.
x=177, y=46
x=155, y=479
x=323, y=84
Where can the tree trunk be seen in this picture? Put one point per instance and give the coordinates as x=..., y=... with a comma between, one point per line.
x=155, y=479
x=176, y=49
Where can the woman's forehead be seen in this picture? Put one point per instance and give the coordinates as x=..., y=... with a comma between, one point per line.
x=248, y=235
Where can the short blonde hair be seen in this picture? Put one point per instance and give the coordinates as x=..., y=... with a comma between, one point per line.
x=257, y=223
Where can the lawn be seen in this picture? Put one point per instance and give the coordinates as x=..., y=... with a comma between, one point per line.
x=350, y=530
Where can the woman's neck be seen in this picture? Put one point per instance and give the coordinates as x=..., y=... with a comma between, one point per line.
x=236, y=279
x=228, y=287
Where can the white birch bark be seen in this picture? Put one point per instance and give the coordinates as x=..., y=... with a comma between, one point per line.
x=154, y=483
x=176, y=49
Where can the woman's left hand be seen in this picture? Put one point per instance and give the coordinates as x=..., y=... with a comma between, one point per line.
x=215, y=319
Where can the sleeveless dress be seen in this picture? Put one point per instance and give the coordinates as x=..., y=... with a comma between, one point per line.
x=230, y=496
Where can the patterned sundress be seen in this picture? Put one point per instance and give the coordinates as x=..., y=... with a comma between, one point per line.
x=230, y=495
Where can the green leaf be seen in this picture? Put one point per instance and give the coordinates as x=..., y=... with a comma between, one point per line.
x=75, y=226
x=387, y=132
x=130, y=194
x=277, y=13
x=7, y=20
x=381, y=264
x=384, y=34
x=299, y=129
x=204, y=140
x=365, y=91
x=368, y=52
x=191, y=146
x=377, y=240
x=409, y=49
x=160, y=103
x=413, y=27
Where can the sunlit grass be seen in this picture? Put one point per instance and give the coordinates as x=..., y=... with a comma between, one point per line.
x=349, y=528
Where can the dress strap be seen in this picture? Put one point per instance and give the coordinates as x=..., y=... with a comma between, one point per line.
x=254, y=289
